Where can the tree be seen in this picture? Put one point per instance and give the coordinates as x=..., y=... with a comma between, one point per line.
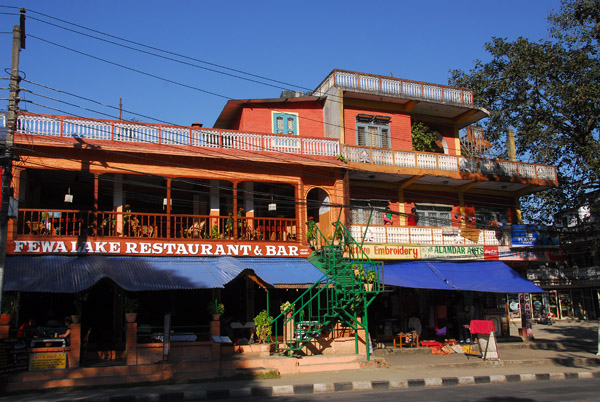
x=549, y=92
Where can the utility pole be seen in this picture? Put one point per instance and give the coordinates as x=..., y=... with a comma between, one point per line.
x=11, y=125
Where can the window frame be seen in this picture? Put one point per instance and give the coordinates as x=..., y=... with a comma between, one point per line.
x=374, y=127
x=434, y=215
x=285, y=116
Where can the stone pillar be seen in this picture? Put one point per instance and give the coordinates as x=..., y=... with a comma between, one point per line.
x=75, y=349
x=215, y=330
x=131, y=343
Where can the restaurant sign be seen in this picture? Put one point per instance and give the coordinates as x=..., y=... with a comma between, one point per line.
x=212, y=249
x=452, y=252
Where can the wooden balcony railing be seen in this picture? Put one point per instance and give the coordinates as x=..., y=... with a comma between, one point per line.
x=44, y=222
x=394, y=86
x=435, y=236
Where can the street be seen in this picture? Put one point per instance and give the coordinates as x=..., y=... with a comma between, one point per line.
x=548, y=391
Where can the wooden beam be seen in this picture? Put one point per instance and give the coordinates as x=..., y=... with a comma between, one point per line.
x=406, y=183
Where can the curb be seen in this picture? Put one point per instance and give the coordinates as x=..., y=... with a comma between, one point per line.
x=289, y=390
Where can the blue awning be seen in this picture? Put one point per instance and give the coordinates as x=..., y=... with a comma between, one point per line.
x=482, y=276
x=68, y=274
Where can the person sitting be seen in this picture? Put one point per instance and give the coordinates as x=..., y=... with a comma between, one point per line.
x=27, y=329
x=67, y=333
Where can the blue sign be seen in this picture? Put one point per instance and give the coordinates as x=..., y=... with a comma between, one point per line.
x=533, y=236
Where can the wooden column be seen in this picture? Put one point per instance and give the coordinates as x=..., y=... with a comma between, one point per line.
x=215, y=330
x=169, y=181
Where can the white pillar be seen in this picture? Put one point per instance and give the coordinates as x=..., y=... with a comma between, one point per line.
x=214, y=197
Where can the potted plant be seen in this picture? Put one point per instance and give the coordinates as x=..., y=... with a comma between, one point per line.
x=262, y=325
x=10, y=307
x=369, y=280
x=131, y=305
x=287, y=308
x=216, y=309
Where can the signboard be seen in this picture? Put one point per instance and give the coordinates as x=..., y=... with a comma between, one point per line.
x=13, y=355
x=207, y=249
x=47, y=361
x=452, y=253
x=526, y=314
x=391, y=252
x=532, y=236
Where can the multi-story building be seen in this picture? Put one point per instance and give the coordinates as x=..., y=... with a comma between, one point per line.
x=177, y=217
x=572, y=283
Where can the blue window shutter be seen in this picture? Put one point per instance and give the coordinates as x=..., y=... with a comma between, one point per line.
x=284, y=123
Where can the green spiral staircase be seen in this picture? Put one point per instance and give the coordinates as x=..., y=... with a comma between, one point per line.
x=350, y=283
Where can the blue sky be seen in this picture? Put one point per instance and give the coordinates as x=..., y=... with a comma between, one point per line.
x=297, y=43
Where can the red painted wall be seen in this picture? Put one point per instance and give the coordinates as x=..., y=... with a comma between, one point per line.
x=258, y=118
x=400, y=134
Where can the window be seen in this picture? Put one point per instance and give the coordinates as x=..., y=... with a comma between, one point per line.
x=434, y=215
x=361, y=210
x=285, y=123
x=490, y=216
x=373, y=130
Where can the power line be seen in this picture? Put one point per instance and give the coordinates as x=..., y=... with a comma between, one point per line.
x=130, y=68
x=158, y=49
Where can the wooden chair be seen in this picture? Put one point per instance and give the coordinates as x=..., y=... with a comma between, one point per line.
x=38, y=228
x=195, y=231
x=138, y=230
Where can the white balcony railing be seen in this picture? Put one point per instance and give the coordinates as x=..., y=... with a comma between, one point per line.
x=91, y=129
x=429, y=236
x=449, y=163
x=394, y=86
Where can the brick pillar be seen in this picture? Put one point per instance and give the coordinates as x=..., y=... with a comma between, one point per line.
x=75, y=349
x=215, y=330
x=131, y=343
x=4, y=331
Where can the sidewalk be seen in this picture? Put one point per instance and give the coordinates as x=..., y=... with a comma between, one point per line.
x=562, y=351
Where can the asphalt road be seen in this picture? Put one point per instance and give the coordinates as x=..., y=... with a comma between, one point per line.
x=546, y=391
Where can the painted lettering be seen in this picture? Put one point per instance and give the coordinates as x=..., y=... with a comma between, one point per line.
x=130, y=248
x=206, y=249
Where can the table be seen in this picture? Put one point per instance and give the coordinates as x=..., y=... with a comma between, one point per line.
x=410, y=340
x=48, y=343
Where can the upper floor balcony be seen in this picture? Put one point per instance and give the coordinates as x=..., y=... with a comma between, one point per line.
x=395, y=87
x=257, y=145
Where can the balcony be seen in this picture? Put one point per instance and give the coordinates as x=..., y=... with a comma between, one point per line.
x=134, y=225
x=395, y=87
x=161, y=134
x=430, y=236
x=448, y=163
x=367, y=158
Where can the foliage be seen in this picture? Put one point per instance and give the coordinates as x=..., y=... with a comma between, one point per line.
x=364, y=274
x=215, y=232
x=342, y=158
x=262, y=324
x=216, y=308
x=229, y=225
x=285, y=306
x=131, y=304
x=548, y=92
x=423, y=138
x=311, y=231
x=10, y=303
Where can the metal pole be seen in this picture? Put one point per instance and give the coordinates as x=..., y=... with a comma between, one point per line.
x=6, y=159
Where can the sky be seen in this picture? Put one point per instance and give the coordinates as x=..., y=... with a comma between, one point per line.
x=239, y=49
